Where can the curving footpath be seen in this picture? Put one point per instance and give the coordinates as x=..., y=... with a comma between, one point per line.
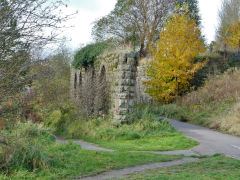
x=211, y=142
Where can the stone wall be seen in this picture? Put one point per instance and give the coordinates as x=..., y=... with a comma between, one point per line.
x=112, y=85
x=141, y=76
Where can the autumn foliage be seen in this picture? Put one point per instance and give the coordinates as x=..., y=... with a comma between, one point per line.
x=173, y=66
x=234, y=35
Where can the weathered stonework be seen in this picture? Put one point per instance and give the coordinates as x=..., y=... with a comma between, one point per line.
x=141, y=76
x=112, y=85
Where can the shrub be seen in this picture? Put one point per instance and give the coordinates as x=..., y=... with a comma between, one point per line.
x=24, y=146
x=60, y=119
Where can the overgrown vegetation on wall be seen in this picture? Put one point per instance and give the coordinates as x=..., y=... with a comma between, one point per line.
x=86, y=56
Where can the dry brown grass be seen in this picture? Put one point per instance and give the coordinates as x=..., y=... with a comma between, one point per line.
x=229, y=122
x=216, y=89
x=219, y=99
x=145, y=61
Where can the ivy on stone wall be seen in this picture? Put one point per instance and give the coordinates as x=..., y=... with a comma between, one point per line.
x=86, y=56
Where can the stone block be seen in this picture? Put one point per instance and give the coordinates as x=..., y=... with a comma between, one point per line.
x=133, y=82
x=131, y=102
x=125, y=67
x=122, y=103
x=121, y=89
x=123, y=96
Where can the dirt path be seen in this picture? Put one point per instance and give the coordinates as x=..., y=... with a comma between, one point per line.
x=126, y=171
x=94, y=147
x=84, y=145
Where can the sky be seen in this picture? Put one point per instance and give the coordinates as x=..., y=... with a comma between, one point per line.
x=79, y=31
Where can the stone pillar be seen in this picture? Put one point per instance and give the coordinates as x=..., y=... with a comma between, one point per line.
x=72, y=82
x=125, y=85
x=141, y=77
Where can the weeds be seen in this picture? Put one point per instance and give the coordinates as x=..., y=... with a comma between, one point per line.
x=24, y=147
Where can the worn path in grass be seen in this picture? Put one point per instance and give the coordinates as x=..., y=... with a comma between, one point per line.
x=91, y=146
x=85, y=145
x=211, y=142
x=126, y=171
x=129, y=170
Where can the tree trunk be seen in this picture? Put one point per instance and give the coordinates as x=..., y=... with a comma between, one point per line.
x=142, y=51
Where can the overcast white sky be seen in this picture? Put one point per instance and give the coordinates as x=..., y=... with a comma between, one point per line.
x=91, y=10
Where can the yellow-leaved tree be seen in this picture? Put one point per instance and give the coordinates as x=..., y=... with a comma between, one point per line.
x=234, y=35
x=173, y=66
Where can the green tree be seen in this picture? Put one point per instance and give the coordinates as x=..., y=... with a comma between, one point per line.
x=193, y=9
x=24, y=27
x=234, y=35
x=51, y=85
x=228, y=16
x=134, y=21
x=14, y=54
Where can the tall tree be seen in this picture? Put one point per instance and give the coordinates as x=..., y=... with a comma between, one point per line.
x=193, y=9
x=233, y=39
x=173, y=66
x=135, y=21
x=228, y=16
x=24, y=25
x=14, y=53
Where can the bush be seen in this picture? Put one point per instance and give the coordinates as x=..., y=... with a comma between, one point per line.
x=215, y=66
x=88, y=54
x=60, y=119
x=24, y=146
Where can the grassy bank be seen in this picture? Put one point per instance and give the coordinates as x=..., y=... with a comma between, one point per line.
x=30, y=152
x=72, y=162
x=215, y=105
x=217, y=167
x=141, y=132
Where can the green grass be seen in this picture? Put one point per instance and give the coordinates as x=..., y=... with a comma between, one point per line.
x=73, y=162
x=142, y=131
x=217, y=167
x=174, y=141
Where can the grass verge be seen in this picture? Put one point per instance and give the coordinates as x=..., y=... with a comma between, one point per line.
x=174, y=141
x=142, y=131
x=29, y=151
x=217, y=167
x=72, y=162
